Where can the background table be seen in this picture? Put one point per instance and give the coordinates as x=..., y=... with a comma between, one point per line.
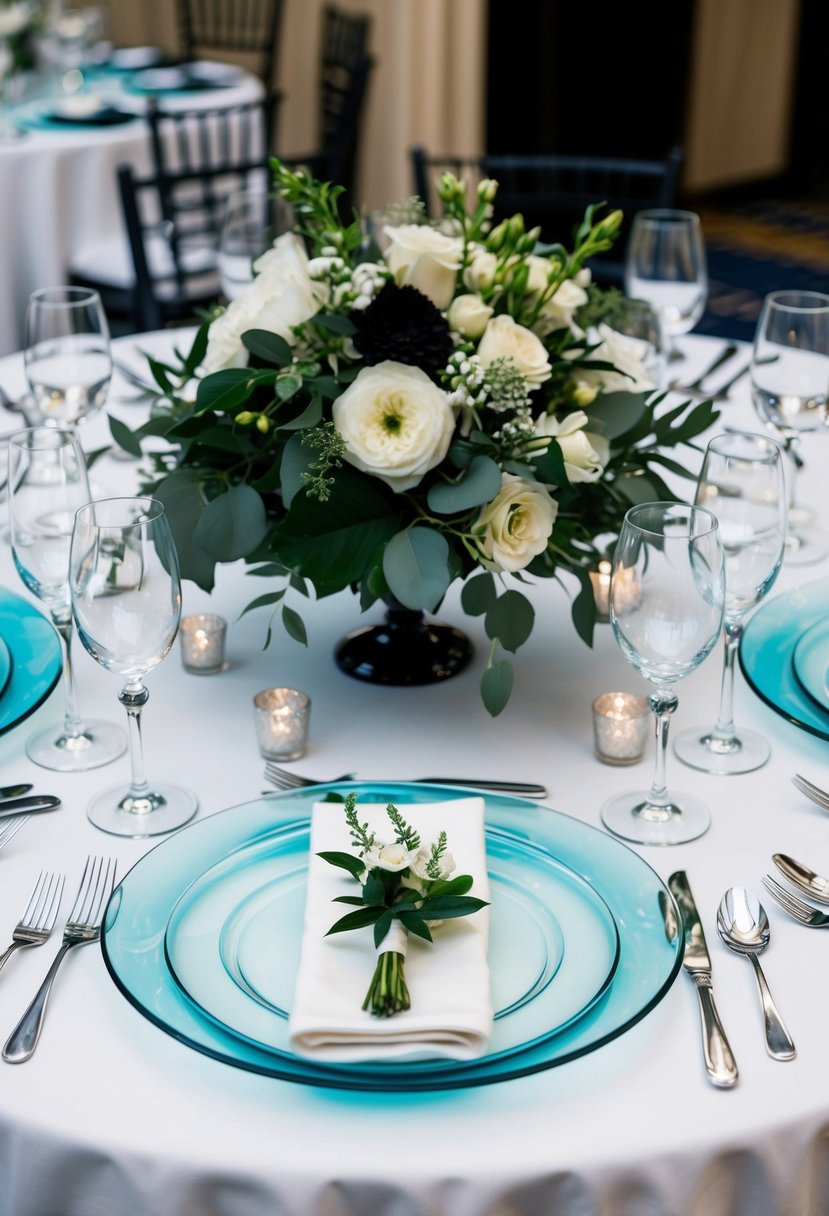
x=112, y=1115
x=59, y=193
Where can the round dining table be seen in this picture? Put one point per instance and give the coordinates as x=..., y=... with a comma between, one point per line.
x=115, y=1113
x=58, y=183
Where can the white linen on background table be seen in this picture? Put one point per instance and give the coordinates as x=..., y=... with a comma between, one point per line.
x=111, y=1115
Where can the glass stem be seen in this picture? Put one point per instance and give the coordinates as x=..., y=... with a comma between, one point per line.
x=724, y=733
x=663, y=703
x=790, y=447
x=72, y=724
x=134, y=697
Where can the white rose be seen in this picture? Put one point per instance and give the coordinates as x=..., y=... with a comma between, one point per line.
x=420, y=864
x=504, y=338
x=392, y=857
x=422, y=257
x=557, y=312
x=281, y=295
x=480, y=273
x=627, y=354
x=517, y=524
x=585, y=455
x=397, y=424
x=469, y=315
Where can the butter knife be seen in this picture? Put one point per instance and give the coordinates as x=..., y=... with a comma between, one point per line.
x=36, y=802
x=14, y=791
x=719, y=1058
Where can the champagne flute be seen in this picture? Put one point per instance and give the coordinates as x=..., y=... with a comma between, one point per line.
x=789, y=386
x=665, y=265
x=126, y=601
x=667, y=591
x=47, y=484
x=67, y=355
x=742, y=483
x=253, y=219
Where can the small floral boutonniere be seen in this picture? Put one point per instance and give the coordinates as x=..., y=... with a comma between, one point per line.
x=404, y=886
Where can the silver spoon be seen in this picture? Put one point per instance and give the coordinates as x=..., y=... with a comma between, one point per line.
x=744, y=927
x=816, y=887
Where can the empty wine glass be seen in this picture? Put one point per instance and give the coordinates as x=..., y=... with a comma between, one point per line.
x=667, y=591
x=254, y=218
x=126, y=600
x=67, y=354
x=789, y=385
x=665, y=265
x=742, y=483
x=47, y=484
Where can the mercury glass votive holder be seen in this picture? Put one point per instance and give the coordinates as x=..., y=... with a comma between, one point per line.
x=203, y=643
x=621, y=722
x=282, y=722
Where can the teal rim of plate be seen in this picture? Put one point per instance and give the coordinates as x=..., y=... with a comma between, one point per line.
x=36, y=659
x=811, y=663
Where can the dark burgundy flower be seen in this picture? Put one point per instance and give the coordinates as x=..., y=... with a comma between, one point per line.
x=402, y=324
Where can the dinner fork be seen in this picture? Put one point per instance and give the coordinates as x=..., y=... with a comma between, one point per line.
x=10, y=826
x=797, y=908
x=285, y=780
x=82, y=927
x=812, y=791
x=38, y=920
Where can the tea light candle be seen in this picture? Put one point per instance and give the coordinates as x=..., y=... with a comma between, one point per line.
x=282, y=722
x=620, y=727
x=600, y=578
x=625, y=593
x=202, y=643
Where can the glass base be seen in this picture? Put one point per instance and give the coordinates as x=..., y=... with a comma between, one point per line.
x=631, y=817
x=99, y=743
x=698, y=749
x=164, y=809
x=805, y=547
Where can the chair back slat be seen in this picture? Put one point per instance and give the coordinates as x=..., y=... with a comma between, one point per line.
x=250, y=27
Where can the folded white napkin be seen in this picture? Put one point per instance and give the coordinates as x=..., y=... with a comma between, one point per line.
x=448, y=979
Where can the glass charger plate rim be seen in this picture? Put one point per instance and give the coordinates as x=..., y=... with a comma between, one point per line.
x=809, y=638
x=6, y=666
x=812, y=598
x=14, y=605
x=587, y=893
x=224, y=1048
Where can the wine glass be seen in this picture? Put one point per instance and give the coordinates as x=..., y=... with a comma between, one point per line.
x=665, y=265
x=47, y=483
x=742, y=483
x=789, y=384
x=126, y=601
x=667, y=591
x=67, y=354
x=253, y=219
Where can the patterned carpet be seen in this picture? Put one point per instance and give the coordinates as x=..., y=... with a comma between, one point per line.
x=761, y=246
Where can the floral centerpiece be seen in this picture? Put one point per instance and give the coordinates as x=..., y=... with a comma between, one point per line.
x=457, y=406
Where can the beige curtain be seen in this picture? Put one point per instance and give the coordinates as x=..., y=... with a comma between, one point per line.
x=427, y=87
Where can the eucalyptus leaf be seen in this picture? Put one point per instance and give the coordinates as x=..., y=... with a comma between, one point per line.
x=124, y=437
x=478, y=594
x=233, y=524
x=617, y=412
x=267, y=345
x=415, y=564
x=479, y=483
x=297, y=459
x=223, y=390
x=294, y=625
x=510, y=619
x=496, y=686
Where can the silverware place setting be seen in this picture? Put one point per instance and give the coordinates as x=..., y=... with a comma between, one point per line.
x=9, y=827
x=797, y=908
x=814, y=792
x=801, y=876
x=695, y=389
x=39, y=916
x=285, y=780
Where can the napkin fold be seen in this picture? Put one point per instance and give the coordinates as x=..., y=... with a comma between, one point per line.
x=448, y=979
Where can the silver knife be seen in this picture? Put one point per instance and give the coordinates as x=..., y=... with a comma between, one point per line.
x=719, y=1058
x=526, y=788
x=14, y=791
x=35, y=802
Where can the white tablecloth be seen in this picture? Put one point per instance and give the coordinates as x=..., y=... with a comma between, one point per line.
x=112, y=1115
x=59, y=194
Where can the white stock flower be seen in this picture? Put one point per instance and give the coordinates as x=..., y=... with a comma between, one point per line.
x=504, y=338
x=585, y=454
x=281, y=295
x=397, y=424
x=627, y=354
x=516, y=524
x=420, y=256
x=469, y=315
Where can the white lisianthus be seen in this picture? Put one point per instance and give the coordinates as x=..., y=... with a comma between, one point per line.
x=281, y=295
x=558, y=311
x=393, y=857
x=396, y=423
x=420, y=256
x=504, y=338
x=479, y=275
x=627, y=354
x=516, y=525
x=585, y=454
x=469, y=315
x=13, y=19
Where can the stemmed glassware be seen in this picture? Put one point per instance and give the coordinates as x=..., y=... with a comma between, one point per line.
x=665, y=265
x=742, y=483
x=47, y=484
x=667, y=591
x=254, y=218
x=126, y=600
x=789, y=388
x=67, y=354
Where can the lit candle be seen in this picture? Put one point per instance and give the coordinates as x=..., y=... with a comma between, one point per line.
x=203, y=643
x=620, y=727
x=600, y=578
x=282, y=722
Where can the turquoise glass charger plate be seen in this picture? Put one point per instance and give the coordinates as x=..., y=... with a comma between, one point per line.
x=6, y=666
x=35, y=657
x=811, y=662
x=143, y=905
x=767, y=650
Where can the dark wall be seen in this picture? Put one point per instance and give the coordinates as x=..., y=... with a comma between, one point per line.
x=565, y=76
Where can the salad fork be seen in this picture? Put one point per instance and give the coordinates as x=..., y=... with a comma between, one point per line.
x=82, y=927
x=38, y=920
x=10, y=826
x=797, y=908
x=817, y=795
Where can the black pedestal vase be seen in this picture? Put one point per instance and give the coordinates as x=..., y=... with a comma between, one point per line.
x=405, y=649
